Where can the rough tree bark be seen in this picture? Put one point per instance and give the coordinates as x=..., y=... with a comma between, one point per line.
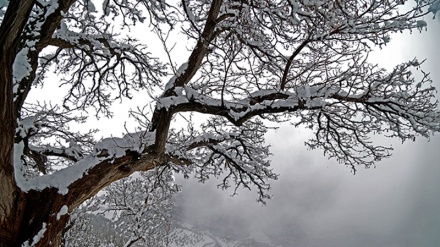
x=12, y=201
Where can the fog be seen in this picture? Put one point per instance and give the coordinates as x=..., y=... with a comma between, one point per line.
x=318, y=202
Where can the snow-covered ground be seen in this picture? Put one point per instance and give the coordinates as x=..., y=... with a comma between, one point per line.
x=190, y=237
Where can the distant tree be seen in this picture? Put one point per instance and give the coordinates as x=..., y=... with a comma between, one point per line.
x=250, y=63
x=139, y=208
x=91, y=230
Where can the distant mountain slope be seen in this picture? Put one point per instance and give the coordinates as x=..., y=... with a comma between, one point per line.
x=186, y=235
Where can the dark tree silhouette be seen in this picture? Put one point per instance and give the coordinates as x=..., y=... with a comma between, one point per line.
x=251, y=62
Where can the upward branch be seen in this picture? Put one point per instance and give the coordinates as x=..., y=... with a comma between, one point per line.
x=199, y=52
x=161, y=118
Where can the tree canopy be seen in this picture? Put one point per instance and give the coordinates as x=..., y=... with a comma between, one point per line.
x=250, y=63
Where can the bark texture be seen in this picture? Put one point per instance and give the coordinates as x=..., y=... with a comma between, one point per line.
x=43, y=207
x=12, y=199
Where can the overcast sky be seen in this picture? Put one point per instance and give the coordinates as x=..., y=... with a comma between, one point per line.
x=318, y=202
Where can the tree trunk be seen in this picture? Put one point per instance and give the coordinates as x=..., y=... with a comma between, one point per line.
x=23, y=216
x=42, y=222
x=12, y=201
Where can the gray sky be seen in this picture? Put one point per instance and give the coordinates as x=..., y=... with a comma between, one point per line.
x=318, y=202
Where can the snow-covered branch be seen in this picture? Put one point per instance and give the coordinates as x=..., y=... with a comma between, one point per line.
x=248, y=63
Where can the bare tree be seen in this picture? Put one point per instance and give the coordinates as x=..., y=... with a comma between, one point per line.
x=250, y=63
x=139, y=208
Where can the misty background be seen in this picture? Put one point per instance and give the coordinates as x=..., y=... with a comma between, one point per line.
x=318, y=202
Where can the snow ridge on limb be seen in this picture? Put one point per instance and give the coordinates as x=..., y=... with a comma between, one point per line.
x=108, y=149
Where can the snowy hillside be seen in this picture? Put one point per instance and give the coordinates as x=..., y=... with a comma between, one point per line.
x=189, y=236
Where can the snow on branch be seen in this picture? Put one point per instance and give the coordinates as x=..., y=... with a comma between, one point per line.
x=391, y=104
x=107, y=150
x=87, y=51
x=237, y=155
x=248, y=63
x=344, y=110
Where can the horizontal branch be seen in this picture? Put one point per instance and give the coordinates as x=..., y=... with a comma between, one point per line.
x=80, y=42
x=67, y=153
x=240, y=111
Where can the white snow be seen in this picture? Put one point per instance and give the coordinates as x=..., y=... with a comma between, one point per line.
x=179, y=72
x=36, y=238
x=61, y=179
x=64, y=209
x=23, y=128
x=117, y=147
x=171, y=101
x=18, y=172
x=21, y=67
x=26, y=125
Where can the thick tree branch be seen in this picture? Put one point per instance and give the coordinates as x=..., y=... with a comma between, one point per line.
x=91, y=181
